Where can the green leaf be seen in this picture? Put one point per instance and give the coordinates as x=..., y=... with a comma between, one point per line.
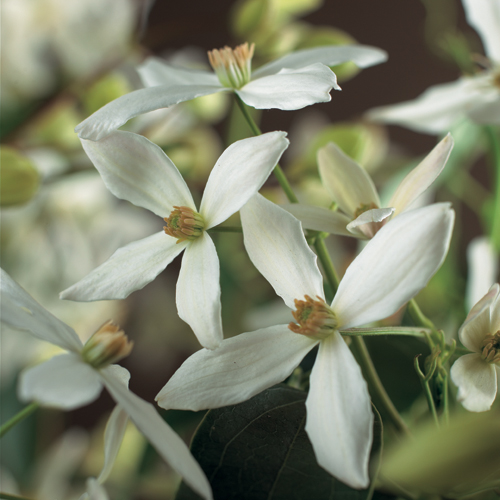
x=260, y=450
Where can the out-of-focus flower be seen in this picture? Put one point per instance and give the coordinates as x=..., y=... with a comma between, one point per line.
x=292, y=82
x=483, y=269
x=476, y=374
x=391, y=269
x=353, y=190
x=76, y=378
x=137, y=170
x=476, y=97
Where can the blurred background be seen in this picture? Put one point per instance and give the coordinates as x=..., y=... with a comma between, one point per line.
x=64, y=59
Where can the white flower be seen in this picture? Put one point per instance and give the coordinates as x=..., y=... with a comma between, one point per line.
x=352, y=188
x=476, y=374
x=291, y=82
x=476, y=97
x=137, y=170
x=69, y=381
x=391, y=269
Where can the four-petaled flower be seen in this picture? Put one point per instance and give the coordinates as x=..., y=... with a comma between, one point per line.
x=137, y=170
x=476, y=374
x=353, y=190
x=292, y=82
x=391, y=269
x=76, y=378
x=476, y=97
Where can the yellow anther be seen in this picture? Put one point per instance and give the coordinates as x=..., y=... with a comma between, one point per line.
x=184, y=223
x=314, y=318
x=233, y=67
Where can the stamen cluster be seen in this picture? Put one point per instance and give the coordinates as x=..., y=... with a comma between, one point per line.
x=233, y=67
x=184, y=223
x=314, y=317
x=491, y=348
x=108, y=345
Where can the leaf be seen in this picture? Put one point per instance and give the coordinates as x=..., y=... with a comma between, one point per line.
x=260, y=450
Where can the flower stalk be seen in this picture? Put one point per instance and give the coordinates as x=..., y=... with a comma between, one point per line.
x=25, y=412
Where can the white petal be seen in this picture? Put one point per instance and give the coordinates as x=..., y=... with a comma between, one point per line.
x=154, y=71
x=22, y=311
x=121, y=110
x=347, y=182
x=276, y=245
x=240, y=368
x=339, y=414
x=487, y=109
x=484, y=17
x=395, y=265
x=483, y=269
x=129, y=269
x=422, y=176
x=369, y=223
x=113, y=437
x=319, y=218
x=476, y=381
x=198, y=291
x=361, y=55
x=64, y=382
x=435, y=110
x=290, y=88
x=166, y=442
x=477, y=324
x=136, y=170
x=239, y=173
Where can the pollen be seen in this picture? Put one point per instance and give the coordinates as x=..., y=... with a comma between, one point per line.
x=184, y=223
x=491, y=348
x=233, y=67
x=108, y=345
x=314, y=318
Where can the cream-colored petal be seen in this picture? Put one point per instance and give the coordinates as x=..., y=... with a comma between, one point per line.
x=339, y=414
x=319, y=218
x=276, y=245
x=368, y=223
x=476, y=381
x=347, y=182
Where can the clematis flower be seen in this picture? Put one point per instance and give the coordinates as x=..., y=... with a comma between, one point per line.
x=353, y=190
x=137, y=170
x=476, y=97
x=390, y=270
x=476, y=374
x=77, y=377
x=291, y=82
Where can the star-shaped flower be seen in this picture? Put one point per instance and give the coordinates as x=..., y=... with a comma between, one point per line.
x=77, y=377
x=352, y=188
x=476, y=374
x=390, y=270
x=292, y=82
x=476, y=97
x=137, y=170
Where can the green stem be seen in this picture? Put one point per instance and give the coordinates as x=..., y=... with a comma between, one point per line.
x=446, y=399
x=379, y=395
x=7, y=496
x=424, y=380
x=28, y=410
x=225, y=229
x=418, y=317
x=326, y=263
x=278, y=172
x=495, y=152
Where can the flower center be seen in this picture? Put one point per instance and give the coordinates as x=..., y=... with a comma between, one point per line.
x=233, y=67
x=314, y=318
x=491, y=348
x=364, y=207
x=107, y=346
x=184, y=223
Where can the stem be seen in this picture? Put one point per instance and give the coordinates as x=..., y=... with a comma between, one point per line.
x=28, y=410
x=377, y=390
x=446, y=399
x=495, y=223
x=424, y=380
x=225, y=229
x=326, y=262
x=418, y=317
x=278, y=172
